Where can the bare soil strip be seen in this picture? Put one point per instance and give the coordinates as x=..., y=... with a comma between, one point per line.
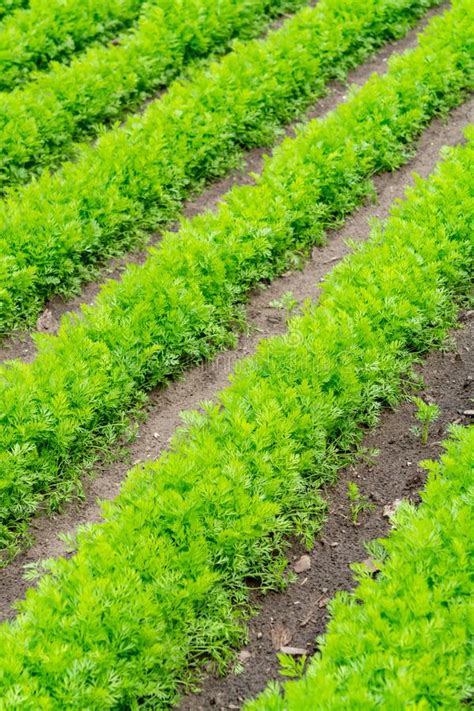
x=296, y=617
x=22, y=346
x=201, y=383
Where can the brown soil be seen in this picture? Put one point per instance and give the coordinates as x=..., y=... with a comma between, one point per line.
x=202, y=383
x=22, y=346
x=297, y=616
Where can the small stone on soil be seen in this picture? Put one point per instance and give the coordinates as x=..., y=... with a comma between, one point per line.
x=302, y=564
x=244, y=655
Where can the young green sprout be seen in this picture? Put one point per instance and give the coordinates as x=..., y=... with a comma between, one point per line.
x=292, y=666
x=287, y=303
x=359, y=502
x=426, y=413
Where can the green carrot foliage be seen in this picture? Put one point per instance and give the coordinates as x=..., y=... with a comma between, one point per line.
x=158, y=588
x=40, y=122
x=180, y=306
x=403, y=640
x=55, y=231
x=7, y=6
x=47, y=30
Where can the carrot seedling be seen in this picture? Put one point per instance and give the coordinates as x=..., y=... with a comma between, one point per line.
x=359, y=502
x=426, y=413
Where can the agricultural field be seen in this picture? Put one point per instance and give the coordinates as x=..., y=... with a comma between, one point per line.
x=236, y=354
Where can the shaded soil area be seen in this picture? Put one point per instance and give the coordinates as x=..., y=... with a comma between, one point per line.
x=296, y=617
x=22, y=346
x=162, y=414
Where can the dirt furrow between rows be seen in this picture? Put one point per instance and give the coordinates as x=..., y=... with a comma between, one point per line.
x=296, y=617
x=162, y=414
x=22, y=346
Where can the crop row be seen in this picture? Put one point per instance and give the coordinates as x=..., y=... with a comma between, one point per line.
x=7, y=6
x=181, y=304
x=56, y=230
x=162, y=580
x=402, y=641
x=40, y=122
x=33, y=36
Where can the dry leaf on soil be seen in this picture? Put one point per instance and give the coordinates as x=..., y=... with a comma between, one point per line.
x=294, y=651
x=280, y=636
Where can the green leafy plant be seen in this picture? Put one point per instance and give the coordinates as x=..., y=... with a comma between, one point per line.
x=32, y=37
x=426, y=413
x=34, y=571
x=382, y=649
x=7, y=6
x=377, y=551
x=159, y=587
x=179, y=307
x=56, y=230
x=358, y=502
x=41, y=123
x=286, y=302
x=291, y=666
x=368, y=455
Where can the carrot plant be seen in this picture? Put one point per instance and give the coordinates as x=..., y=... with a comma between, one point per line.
x=291, y=666
x=403, y=640
x=7, y=6
x=56, y=230
x=358, y=502
x=160, y=586
x=32, y=37
x=180, y=306
x=40, y=122
x=426, y=413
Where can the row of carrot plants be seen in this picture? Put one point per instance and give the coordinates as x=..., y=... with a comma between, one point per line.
x=161, y=583
x=403, y=640
x=40, y=122
x=180, y=306
x=56, y=230
x=47, y=30
x=7, y=6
